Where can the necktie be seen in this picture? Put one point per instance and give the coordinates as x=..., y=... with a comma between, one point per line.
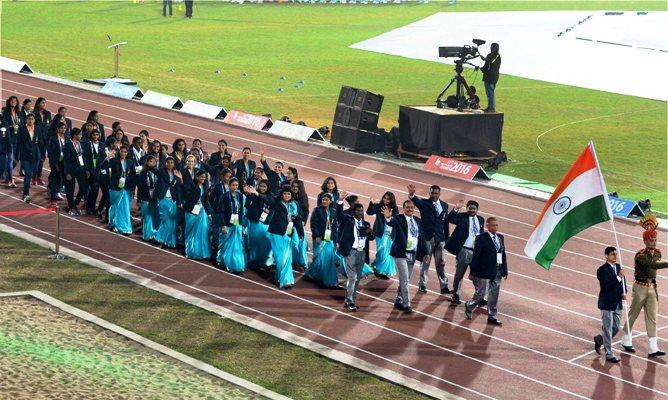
x=474, y=225
x=496, y=242
x=437, y=207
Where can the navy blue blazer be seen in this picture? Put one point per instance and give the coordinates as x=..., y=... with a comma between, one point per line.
x=229, y=207
x=54, y=149
x=346, y=234
x=117, y=172
x=255, y=206
x=12, y=135
x=192, y=194
x=400, y=237
x=71, y=160
x=5, y=146
x=240, y=169
x=379, y=223
x=279, y=219
x=216, y=158
x=319, y=219
x=27, y=148
x=610, y=296
x=483, y=263
x=100, y=128
x=164, y=185
x=435, y=225
x=216, y=195
x=89, y=155
x=461, y=233
x=275, y=180
x=144, y=185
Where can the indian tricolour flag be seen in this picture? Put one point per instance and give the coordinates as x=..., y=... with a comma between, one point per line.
x=579, y=201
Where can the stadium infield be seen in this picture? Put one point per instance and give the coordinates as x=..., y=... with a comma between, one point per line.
x=549, y=316
x=310, y=42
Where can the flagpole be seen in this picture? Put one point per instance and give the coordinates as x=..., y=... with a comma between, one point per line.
x=619, y=258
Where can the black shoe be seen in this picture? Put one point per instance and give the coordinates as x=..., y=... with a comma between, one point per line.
x=629, y=349
x=408, y=310
x=455, y=299
x=598, y=342
x=422, y=289
x=613, y=360
x=446, y=290
x=350, y=307
x=399, y=306
x=657, y=354
x=469, y=313
x=494, y=321
x=483, y=303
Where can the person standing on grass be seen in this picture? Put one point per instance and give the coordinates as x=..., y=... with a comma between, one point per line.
x=147, y=196
x=383, y=264
x=611, y=279
x=354, y=236
x=75, y=172
x=122, y=180
x=189, y=8
x=434, y=213
x=460, y=244
x=197, y=210
x=490, y=75
x=488, y=267
x=28, y=152
x=165, y=4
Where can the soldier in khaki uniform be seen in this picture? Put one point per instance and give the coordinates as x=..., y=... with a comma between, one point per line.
x=645, y=292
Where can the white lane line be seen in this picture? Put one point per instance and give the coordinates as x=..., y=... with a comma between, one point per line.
x=292, y=151
x=329, y=309
x=365, y=196
x=390, y=329
x=619, y=351
x=259, y=312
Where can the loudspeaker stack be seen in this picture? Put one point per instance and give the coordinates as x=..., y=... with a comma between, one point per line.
x=355, y=124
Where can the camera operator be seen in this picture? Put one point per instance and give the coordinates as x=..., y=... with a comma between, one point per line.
x=490, y=75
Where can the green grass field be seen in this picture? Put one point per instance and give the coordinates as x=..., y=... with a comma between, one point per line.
x=310, y=42
x=242, y=351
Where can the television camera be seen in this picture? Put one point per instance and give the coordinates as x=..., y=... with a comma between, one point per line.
x=464, y=55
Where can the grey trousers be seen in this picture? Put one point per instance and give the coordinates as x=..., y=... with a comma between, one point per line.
x=463, y=261
x=434, y=249
x=404, y=268
x=481, y=288
x=611, y=322
x=354, y=263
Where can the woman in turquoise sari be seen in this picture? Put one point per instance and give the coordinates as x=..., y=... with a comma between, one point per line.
x=258, y=216
x=169, y=197
x=383, y=264
x=300, y=245
x=324, y=231
x=197, y=210
x=147, y=194
x=233, y=218
x=284, y=222
x=122, y=184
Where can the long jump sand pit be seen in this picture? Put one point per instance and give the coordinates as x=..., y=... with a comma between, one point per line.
x=46, y=352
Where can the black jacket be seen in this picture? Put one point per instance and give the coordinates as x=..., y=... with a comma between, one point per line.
x=56, y=151
x=240, y=169
x=90, y=155
x=229, y=207
x=216, y=158
x=346, y=235
x=12, y=135
x=255, y=206
x=117, y=173
x=145, y=183
x=279, y=218
x=400, y=237
x=164, y=185
x=483, y=263
x=275, y=180
x=192, y=194
x=319, y=219
x=71, y=160
x=26, y=147
x=610, y=296
x=461, y=232
x=100, y=128
x=490, y=70
x=435, y=225
x=379, y=223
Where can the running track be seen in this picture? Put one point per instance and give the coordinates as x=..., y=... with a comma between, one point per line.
x=542, y=351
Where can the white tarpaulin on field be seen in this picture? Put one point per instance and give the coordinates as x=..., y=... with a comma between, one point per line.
x=625, y=53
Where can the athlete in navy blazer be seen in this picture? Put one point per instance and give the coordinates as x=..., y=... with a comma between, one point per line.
x=611, y=280
x=279, y=218
x=346, y=226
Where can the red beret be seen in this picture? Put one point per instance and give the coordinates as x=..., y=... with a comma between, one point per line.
x=648, y=234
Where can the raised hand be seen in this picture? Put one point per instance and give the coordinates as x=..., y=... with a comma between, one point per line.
x=343, y=194
x=411, y=189
x=262, y=158
x=460, y=203
x=387, y=213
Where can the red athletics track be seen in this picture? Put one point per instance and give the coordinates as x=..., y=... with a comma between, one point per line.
x=542, y=351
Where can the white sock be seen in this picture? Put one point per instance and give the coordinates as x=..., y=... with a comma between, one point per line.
x=653, y=345
x=627, y=341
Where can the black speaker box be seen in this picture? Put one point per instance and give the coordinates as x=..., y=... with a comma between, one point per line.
x=360, y=98
x=355, y=117
x=357, y=140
